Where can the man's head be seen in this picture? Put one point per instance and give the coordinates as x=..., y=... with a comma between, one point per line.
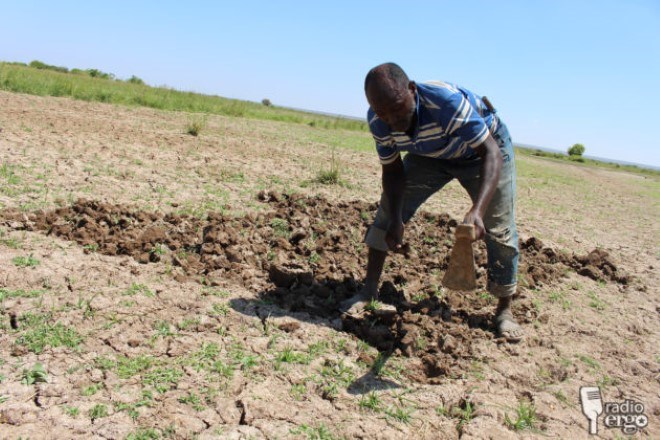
x=391, y=95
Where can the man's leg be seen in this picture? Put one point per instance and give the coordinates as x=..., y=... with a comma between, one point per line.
x=424, y=176
x=501, y=236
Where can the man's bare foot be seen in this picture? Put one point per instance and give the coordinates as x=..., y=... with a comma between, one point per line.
x=507, y=327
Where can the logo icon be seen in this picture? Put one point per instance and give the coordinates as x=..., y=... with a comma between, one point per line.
x=592, y=406
x=627, y=415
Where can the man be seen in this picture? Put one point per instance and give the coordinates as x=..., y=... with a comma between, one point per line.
x=448, y=132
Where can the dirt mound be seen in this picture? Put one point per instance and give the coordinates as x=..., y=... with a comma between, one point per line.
x=306, y=255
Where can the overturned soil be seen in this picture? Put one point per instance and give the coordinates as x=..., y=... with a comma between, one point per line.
x=305, y=254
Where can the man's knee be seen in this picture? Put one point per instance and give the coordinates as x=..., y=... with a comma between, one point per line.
x=375, y=238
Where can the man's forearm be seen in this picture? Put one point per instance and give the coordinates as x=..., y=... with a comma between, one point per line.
x=489, y=176
x=394, y=183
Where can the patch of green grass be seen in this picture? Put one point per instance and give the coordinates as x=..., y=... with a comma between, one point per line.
x=8, y=173
x=561, y=397
x=193, y=400
x=163, y=330
x=288, y=355
x=589, y=362
x=129, y=367
x=223, y=369
x=162, y=379
x=144, y=434
x=373, y=305
x=370, y=401
x=34, y=375
x=103, y=363
x=526, y=417
x=98, y=411
x=196, y=124
x=91, y=390
x=399, y=413
x=465, y=414
x=94, y=247
x=331, y=175
x=280, y=227
x=205, y=357
x=213, y=291
x=298, y=391
x=6, y=293
x=318, y=348
x=221, y=309
x=606, y=381
x=72, y=411
x=41, y=334
x=187, y=323
x=28, y=261
x=442, y=411
x=320, y=432
x=12, y=243
x=560, y=297
x=596, y=302
x=560, y=157
x=25, y=79
x=132, y=408
x=335, y=375
x=138, y=288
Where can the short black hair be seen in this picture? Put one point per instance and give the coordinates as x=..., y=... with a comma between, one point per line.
x=392, y=71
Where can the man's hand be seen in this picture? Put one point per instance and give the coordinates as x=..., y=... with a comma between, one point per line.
x=473, y=218
x=394, y=236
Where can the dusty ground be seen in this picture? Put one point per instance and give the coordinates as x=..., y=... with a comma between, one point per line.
x=155, y=319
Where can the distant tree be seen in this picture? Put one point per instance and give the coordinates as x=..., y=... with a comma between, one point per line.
x=576, y=150
x=135, y=80
x=96, y=73
x=266, y=102
x=43, y=66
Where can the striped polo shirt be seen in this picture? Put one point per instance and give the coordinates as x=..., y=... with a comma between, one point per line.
x=451, y=122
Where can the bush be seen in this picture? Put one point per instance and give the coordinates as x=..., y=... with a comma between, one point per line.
x=43, y=66
x=266, y=102
x=135, y=80
x=96, y=73
x=576, y=150
x=196, y=124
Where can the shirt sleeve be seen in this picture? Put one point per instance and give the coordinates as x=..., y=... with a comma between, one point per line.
x=462, y=120
x=385, y=145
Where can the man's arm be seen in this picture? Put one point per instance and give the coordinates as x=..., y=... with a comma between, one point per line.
x=491, y=165
x=394, y=182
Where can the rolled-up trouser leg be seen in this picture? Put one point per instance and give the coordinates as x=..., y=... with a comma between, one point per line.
x=424, y=176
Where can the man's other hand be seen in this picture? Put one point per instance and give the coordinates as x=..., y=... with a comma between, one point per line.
x=473, y=218
x=394, y=236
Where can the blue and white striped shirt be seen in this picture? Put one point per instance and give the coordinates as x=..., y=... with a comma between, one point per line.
x=451, y=122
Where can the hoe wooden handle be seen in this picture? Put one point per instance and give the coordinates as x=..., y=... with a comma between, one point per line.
x=465, y=231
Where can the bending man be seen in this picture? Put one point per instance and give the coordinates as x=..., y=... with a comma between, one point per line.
x=449, y=133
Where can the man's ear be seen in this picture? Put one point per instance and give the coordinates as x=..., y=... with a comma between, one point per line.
x=412, y=86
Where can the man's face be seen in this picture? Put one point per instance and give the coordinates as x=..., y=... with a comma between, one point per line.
x=397, y=109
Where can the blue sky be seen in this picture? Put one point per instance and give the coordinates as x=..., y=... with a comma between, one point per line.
x=559, y=72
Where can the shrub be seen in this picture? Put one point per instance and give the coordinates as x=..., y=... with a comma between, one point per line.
x=576, y=150
x=43, y=66
x=135, y=80
x=266, y=102
x=195, y=125
x=329, y=176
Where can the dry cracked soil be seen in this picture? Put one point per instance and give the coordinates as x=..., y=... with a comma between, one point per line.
x=155, y=285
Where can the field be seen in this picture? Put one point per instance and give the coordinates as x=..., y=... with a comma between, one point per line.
x=160, y=284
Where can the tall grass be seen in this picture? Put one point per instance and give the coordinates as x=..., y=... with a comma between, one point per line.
x=15, y=77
